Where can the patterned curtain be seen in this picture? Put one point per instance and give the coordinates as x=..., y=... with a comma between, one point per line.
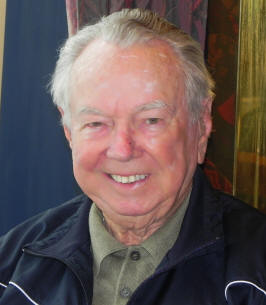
x=190, y=15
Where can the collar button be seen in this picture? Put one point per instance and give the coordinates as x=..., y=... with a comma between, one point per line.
x=135, y=255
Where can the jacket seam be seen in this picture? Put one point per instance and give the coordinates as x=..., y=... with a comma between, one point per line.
x=23, y=292
x=242, y=282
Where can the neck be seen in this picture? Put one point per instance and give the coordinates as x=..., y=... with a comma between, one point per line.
x=134, y=233
x=134, y=230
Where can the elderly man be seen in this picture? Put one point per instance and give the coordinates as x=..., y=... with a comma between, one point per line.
x=135, y=99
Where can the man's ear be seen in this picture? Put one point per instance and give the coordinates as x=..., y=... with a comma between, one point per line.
x=205, y=126
x=66, y=128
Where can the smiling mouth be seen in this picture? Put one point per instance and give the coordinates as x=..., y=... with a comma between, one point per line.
x=128, y=179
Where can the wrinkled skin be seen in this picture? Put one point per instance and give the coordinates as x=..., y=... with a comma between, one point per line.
x=129, y=117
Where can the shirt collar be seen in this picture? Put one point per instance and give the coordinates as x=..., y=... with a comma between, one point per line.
x=102, y=242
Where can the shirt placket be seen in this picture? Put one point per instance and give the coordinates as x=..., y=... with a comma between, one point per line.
x=136, y=265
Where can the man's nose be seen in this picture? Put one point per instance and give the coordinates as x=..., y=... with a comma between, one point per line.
x=121, y=146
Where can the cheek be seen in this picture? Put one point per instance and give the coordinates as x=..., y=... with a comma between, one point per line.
x=176, y=149
x=166, y=149
x=152, y=143
x=190, y=150
x=192, y=140
x=84, y=157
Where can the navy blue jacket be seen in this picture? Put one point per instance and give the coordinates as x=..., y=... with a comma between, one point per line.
x=219, y=257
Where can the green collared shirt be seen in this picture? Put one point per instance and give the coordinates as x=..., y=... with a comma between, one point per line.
x=119, y=269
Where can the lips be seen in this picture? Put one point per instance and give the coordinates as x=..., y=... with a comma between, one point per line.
x=128, y=179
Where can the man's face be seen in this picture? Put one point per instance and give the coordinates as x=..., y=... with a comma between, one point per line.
x=134, y=148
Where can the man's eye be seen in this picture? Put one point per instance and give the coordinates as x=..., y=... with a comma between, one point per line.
x=152, y=121
x=95, y=124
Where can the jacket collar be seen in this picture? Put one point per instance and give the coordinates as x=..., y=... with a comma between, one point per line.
x=73, y=233
x=202, y=227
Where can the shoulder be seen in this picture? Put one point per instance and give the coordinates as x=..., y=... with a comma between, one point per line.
x=35, y=229
x=241, y=221
x=41, y=225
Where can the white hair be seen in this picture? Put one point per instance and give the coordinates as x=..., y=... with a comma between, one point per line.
x=124, y=29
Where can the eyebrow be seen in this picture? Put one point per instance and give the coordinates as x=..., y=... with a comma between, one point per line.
x=90, y=110
x=157, y=104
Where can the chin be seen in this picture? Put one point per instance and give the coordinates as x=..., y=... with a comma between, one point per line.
x=127, y=209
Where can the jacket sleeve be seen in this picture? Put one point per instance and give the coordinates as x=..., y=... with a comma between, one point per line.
x=245, y=274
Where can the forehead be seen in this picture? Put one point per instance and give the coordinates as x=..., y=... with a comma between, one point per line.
x=100, y=57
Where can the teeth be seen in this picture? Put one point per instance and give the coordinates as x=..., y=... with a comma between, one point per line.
x=128, y=179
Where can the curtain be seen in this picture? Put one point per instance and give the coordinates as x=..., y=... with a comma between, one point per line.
x=35, y=161
x=250, y=147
